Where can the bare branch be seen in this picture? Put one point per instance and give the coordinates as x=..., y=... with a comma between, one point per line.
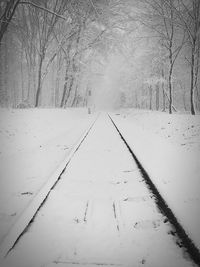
x=43, y=8
x=93, y=42
x=60, y=47
x=92, y=4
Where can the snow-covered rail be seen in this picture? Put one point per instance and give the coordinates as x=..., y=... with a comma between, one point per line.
x=31, y=210
x=101, y=213
x=185, y=240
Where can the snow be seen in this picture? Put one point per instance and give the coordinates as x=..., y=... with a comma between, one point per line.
x=99, y=214
x=179, y=129
x=168, y=146
x=111, y=217
x=33, y=142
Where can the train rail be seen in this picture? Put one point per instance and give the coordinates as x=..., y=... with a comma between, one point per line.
x=184, y=240
x=100, y=209
x=17, y=230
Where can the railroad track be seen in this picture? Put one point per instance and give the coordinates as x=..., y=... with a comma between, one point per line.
x=17, y=230
x=184, y=239
x=104, y=211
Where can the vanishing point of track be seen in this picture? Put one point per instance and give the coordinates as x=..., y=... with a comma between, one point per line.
x=28, y=217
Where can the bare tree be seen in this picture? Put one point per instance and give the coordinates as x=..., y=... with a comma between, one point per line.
x=7, y=10
x=161, y=18
x=45, y=22
x=188, y=13
x=26, y=34
x=88, y=33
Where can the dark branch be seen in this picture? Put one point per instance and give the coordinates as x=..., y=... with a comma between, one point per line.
x=43, y=8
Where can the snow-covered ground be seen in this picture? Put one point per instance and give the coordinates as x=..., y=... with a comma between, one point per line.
x=33, y=142
x=100, y=213
x=179, y=129
x=168, y=147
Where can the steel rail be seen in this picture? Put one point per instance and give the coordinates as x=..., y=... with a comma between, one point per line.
x=20, y=226
x=185, y=241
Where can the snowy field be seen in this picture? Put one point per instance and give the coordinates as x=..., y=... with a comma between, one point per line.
x=33, y=142
x=179, y=129
x=100, y=213
x=168, y=147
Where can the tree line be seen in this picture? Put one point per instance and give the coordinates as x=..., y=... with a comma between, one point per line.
x=52, y=52
x=44, y=39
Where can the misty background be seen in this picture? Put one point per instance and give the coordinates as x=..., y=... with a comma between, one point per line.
x=127, y=53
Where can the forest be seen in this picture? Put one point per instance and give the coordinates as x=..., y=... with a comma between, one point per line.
x=128, y=53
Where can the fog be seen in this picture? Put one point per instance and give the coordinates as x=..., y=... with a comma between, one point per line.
x=139, y=54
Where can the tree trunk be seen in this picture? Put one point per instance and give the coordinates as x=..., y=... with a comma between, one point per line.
x=192, y=84
x=14, y=94
x=7, y=16
x=22, y=76
x=184, y=102
x=57, y=91
x=163, y=92
x=69, y=89
x=39, y=86
x=1, y=77
x=65, y=88
x=69, y=81
x=150, y=97
x=57, y=85
x=170, y=85
x=6, y=72
x=136, y=99
x=72, y=67
x=29, y=84
x=74, y=102
x=157, y=97
x=53, y=85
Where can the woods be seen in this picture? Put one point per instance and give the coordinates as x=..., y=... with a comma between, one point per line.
x=142, y=54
